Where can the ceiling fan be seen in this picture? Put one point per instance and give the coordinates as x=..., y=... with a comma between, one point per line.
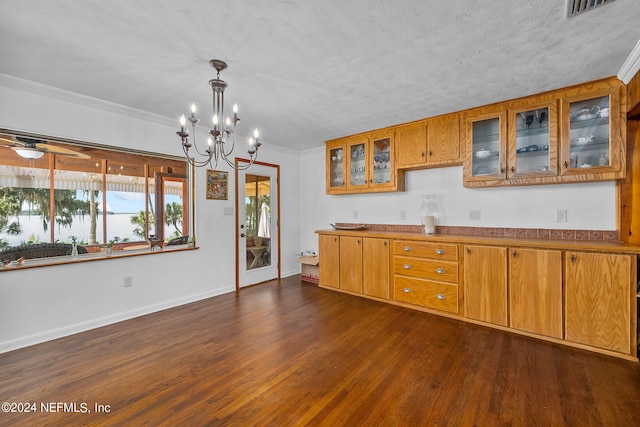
x=32, y=149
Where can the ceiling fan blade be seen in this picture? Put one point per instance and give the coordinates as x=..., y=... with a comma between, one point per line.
x=47, y=148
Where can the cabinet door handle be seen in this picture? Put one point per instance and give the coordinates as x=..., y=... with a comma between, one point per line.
x=468, y=251
x=440, y=296
x=566, y=164
x=573, y=258
x=407, y=290
x=440, y=270
x=440, y=251
x=406, y=248
x=513, y=169
x=407, y=266
x=514, y=254
x=423, y=154
x=430, y=153
x=502, y=170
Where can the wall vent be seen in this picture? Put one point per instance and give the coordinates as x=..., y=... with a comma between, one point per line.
x=576, y=7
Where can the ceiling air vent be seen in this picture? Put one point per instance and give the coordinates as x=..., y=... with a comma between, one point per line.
x=576, y=7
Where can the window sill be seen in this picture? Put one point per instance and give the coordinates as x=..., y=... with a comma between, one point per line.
x=98, y=256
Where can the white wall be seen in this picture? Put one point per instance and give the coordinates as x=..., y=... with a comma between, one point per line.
x=49, y=302
x=589, y=206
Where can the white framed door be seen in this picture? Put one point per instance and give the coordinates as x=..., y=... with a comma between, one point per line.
x=257, y=220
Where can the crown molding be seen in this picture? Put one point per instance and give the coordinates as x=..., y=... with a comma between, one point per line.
x=631, y=66
x=13, y=82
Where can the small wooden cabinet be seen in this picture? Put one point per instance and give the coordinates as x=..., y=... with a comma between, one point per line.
x=376, y=255
x=433, y=142
x=329, y=268
x=535, y=291
x=362, y=163
x=485, y=284
x=599, y=301
x=355, y=264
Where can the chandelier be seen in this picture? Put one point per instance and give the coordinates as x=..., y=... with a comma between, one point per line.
x=222, y=136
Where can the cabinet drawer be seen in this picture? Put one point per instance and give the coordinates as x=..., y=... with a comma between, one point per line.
x=444, y=271
x=445, y=251
x=441, y=296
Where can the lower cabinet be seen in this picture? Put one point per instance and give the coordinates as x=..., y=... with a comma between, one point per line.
x=375, y=274
x=329, y=266
x=426, y=274
x=485, y=284
x=598, y=300
x=351, y=264
x=355, y=264
x=535, y=291
x=584, y=298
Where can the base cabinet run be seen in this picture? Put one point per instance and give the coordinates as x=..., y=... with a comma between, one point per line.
x=584, y=298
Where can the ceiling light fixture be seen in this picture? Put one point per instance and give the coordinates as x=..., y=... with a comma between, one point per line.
x=29, y=153
x=222, y=137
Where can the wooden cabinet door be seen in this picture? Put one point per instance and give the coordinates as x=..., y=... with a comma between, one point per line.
x=486, y=140
x=336, y=167
x=598, y=300
x=535, y=291
x=411, y=146
x=351, y=263
x=376, y=267
x=443, y=141
x=329, y=266
x=485, y=284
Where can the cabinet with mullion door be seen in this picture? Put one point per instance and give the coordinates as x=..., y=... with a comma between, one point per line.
x=591, y=132
x=533, y=141
x=336, y=169
x=485, y=155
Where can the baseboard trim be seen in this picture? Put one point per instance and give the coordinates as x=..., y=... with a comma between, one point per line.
x=53, y=334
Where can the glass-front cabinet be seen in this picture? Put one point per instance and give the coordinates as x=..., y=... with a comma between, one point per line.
x=336, y=161
x=533, y=141
x=487, y=133
x=591, y=134
x=362, y=163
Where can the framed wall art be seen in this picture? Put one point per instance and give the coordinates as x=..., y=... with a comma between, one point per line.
x=217, y=185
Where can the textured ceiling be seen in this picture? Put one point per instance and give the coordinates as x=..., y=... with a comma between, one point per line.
x=307, y=71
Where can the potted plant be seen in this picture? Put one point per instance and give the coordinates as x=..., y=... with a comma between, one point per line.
x=109, y=249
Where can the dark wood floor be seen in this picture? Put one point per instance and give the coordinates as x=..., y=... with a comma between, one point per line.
x=289, y=353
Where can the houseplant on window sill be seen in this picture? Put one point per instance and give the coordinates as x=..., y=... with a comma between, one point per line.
x=108, y=250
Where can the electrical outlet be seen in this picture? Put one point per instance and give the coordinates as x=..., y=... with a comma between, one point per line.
x=474, y=215
x=561, y=215
x=355, y=214
x=128, y=281
x=403, y=214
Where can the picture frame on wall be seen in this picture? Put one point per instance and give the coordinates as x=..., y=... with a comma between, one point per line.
x=217, y=185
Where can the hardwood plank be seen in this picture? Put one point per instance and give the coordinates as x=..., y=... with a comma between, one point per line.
x=290, y=353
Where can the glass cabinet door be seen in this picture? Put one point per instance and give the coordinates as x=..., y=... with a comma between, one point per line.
x=381, y=164
x=533, y=141
x=357, y=164
x=336, y=168
x=488, y=136
x=589, y=138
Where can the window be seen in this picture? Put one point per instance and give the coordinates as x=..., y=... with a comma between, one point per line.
x=95, y=195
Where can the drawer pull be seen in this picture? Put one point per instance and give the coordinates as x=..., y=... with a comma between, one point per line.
x=440, y=251
x=406, y=248
x=440, y=296
x=440, y=270
x=406, y=290
x=407, y=266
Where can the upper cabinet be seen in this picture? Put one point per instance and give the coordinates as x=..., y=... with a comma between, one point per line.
x=363, y=163
x=576, y=134
x=591, y=134
x=428, y=143
x=570, y=135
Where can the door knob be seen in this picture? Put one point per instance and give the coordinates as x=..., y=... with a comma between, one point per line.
x=243, y=235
